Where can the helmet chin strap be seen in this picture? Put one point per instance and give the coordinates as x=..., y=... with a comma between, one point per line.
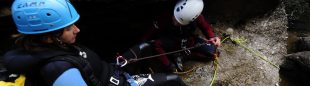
x=58, y=41
x=175, y=22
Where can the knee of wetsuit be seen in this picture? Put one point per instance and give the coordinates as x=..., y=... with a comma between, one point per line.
x=210, y=48
x=205, y=51
x=137, y=50
x=176, y=79
x=172, y=77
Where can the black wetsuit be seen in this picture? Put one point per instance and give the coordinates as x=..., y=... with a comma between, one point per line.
x=34, y=65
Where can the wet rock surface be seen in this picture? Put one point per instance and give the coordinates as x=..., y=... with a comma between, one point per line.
x=237, y=66
x=296, y=68
x=303, y=44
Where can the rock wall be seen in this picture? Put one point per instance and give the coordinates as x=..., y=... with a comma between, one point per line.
x=295, y=70
x=238, y=67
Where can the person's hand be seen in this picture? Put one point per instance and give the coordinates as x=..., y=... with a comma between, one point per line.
x=216, y=41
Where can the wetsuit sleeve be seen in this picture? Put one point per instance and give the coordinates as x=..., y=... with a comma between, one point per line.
x=158, y=25
x=152, y=30
x=53, y=70
x=71, y=77
x=205, y=27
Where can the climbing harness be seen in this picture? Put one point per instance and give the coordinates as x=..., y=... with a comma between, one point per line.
x=123, y=63
x=120, y=62
x=183, y=46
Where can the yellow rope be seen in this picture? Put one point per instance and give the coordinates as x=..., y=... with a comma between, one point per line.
x=240, y=42
x=224, y=39
x=215, y=62
x=180, y=73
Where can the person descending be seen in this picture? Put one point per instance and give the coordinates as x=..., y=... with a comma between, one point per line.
x=174, y=29
x=48, y=32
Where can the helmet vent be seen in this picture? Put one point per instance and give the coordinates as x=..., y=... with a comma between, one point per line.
x=18, y=17
x=48, y=14
x=181, y=7
x=178, y=9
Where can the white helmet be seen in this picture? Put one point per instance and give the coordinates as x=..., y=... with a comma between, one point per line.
x=186, y=11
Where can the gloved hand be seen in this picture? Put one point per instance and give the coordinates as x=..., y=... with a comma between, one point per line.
x=133, y=82
x=216, y=41
x=130, y=80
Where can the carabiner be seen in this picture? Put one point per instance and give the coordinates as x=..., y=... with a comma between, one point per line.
x=123, y=63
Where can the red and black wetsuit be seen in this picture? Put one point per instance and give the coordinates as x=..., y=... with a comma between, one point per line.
x=168, y=37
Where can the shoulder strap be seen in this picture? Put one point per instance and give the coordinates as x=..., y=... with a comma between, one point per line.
x=83, y=66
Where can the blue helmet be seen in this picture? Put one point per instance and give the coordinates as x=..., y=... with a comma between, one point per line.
x=41, y=16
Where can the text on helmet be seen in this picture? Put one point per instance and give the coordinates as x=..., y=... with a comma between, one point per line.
x=30, y=4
